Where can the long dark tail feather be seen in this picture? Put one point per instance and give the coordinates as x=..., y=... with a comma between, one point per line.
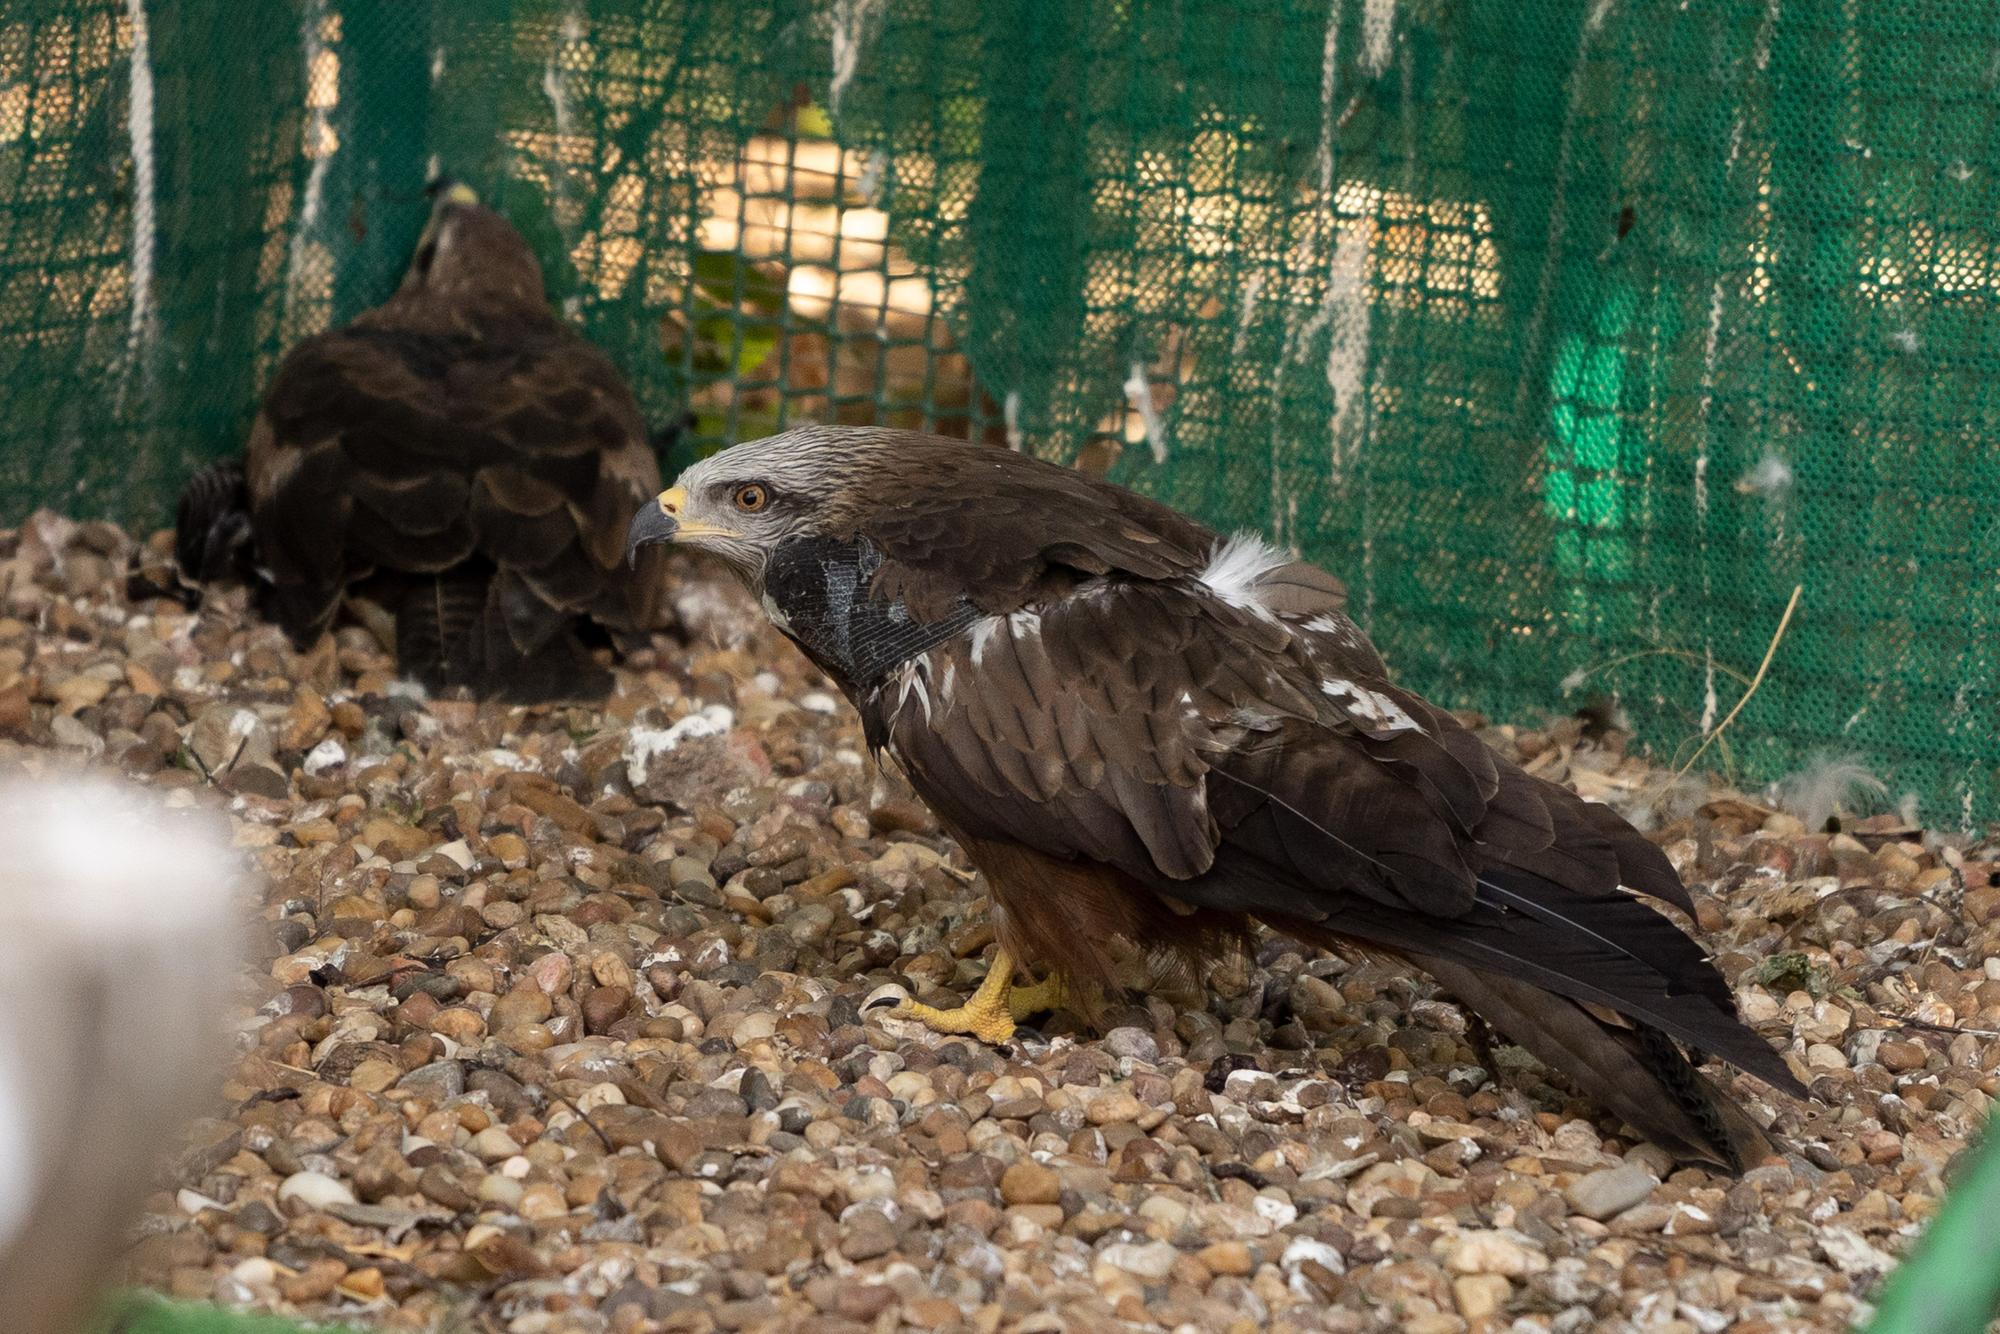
x=1641, y=866
x=433, y=619
x=1606, y=949
x=1638, y=1074
x=212, y=524
x=449, y=634
x=1616, y=924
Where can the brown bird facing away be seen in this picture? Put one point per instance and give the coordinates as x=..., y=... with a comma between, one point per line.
x=458, y=459
x=1137, y=728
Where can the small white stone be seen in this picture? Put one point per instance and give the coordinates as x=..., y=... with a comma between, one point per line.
x=883, y=997
x=1757, y=1007
x=458, y=850
x=501, y=1190
x=256, y=1272
x=1320, y=1253
x=1132, y=1043
x=328, y=754
x=1851, y=1253
x=1152, y=1259
x=1281, y=1213
x=1611, y=1191
x=754, y=1027
x=1495, y=1253
x=600, y=1095
x=871, y=1184
x=193, y=1202
x=913, y=1088
x=315, y=1190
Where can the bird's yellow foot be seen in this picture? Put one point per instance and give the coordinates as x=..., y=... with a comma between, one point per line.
x=1047, y=994
x=992, y=1011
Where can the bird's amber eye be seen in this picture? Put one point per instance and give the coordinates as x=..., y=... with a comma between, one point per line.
x=752, y=497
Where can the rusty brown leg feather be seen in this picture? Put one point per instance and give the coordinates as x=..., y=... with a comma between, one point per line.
x=1064, y=915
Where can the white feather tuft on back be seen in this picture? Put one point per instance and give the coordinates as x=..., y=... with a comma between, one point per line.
x=1238, y=566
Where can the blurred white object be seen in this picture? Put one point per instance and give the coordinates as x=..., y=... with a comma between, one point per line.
x=120, y=940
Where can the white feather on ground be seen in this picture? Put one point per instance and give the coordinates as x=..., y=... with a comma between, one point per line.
x=119, y=945
x=1830, y=784
x=1666, y=798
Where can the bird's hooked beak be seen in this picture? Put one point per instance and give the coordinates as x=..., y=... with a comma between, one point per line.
x=661, y=522
x=444, y=190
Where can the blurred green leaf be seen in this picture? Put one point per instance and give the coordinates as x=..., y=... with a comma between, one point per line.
x=147, y=1314
x=708, y=437
x=731, y=281
x=1951, y=1282
x=1794, y=971
x=754, y=342
x=711, y=432
x=813, y=122
x=725, y=344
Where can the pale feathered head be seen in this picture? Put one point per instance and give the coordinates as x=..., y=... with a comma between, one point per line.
x=741, y=503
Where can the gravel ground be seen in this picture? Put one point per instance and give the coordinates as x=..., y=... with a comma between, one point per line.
x=559, y=1024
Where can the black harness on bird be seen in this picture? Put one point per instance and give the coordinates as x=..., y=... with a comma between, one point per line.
x=818, y=591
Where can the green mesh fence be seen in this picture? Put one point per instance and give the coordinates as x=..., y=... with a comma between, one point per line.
x=1573, y=333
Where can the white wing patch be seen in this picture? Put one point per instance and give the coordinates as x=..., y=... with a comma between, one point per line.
x=1238, y=566
x=913, y=681
x=920, y=679
x=1020, y=624
x=914, y=684
x=1338, y=627
x=1370, y=705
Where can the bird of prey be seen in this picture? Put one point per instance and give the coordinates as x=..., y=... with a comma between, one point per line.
x=458, y=458
x=1138, y=728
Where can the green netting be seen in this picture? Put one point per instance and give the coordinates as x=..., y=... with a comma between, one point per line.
x=1573, y=333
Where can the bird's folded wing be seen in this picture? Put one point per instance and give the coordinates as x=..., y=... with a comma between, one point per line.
x=1103, y=723
x=1127, y=650
x=1212, y=754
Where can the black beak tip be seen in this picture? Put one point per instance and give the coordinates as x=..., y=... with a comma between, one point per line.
x=651, y=524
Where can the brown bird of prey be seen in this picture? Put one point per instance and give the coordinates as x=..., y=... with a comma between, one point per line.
x=1138, y=728
x=457, y=457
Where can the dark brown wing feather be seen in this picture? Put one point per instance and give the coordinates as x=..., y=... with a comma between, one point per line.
x=1005, y=529
x=1258, y=764
x=446, y=439
x=212, y=524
